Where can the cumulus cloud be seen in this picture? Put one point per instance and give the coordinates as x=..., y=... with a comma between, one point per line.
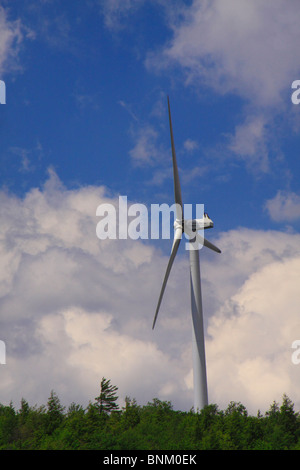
x=253, y=334
x=250, y=142
x=237, y=46
x=285, y=206
x=247, y=49
x=75, y=308
x=146, y=149
x=250, y=335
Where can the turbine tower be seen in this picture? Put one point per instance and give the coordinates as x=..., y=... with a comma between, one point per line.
x=191, y=228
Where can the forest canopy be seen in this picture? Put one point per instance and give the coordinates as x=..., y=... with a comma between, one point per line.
x=103, y=425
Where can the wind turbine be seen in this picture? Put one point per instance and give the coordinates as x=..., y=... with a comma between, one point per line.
x=191, y=228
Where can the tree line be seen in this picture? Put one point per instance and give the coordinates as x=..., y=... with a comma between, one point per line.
x=102, y=425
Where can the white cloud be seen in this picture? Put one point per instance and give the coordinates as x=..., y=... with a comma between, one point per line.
x=250, y=142
x=249, y=49
x=146, y=149
x=11, y=36
x=190, y=145
x=285, y=206
x=74, y=308
x=89, y=347
x=237, y=46
x=250, y=345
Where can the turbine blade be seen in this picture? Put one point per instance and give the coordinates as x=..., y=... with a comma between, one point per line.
x=206, y=243
x=177, y=235
x=177, y=189
x=170, y=263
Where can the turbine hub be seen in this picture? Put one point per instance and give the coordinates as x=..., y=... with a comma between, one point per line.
x=179, y=224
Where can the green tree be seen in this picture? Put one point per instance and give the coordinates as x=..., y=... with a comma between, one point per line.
x=208, y=430
x=157, y=426
x=131, y=413
x=23, y=411
x=73, y=429
x=106, y=401
x=288, y=417
x=55, y=414
x=8, y=426
x=235, y=419
x=281, y=425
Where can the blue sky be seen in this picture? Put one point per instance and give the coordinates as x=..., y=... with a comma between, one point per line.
x=86, y=120
x=82, y=94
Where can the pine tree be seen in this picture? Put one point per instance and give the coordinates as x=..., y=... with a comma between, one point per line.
x=24, y=411
x=54, y=415
x=106, y=401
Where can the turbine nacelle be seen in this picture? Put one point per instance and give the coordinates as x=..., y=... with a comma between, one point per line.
x=191, y=227
x=194, y=224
